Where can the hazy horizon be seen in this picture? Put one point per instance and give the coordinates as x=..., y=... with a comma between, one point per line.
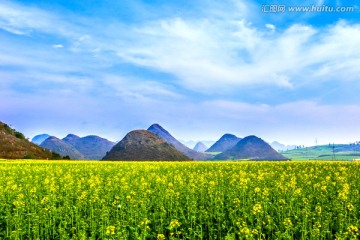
x=200, y=69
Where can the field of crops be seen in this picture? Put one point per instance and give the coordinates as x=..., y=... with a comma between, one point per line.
x=259, y=200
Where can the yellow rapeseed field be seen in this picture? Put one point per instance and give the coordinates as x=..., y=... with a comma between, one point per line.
x=173, y=200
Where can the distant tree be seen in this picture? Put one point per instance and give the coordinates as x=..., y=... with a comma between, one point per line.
x=29, y=156
x=55, y=156
x=7, y=128
x=19, y=135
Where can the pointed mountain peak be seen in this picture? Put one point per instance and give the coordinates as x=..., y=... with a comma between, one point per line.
x=156, y=125
x=161, y=132
x=200, y=147
x=226, y=142
x=144, y=145
x=155, y=128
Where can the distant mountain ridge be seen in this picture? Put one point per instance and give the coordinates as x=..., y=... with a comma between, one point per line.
x=63, y=148
x=226, y=142
x=200, y=147
x=191, y=144
x=71, y=139
x=281, y=147
x=160, y=131
x=89, y=148
x=144, y=145
x=253, y=148
x=38, y=139
x=92, y=147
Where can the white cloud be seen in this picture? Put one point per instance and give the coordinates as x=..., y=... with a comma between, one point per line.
x=144, y=91
x=25, y=20
x=227, y=56
x=270, y=26
x=16, y=16
x=214, y=54
x=58, y=46
x=208, y=54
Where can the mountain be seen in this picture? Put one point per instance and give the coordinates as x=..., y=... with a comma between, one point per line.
x=14, y=145
x=200, y=147
x=38, y=139
x=63, y=148
x=191, y=144
x=281, y=147
x=253, y=148
x=91, y=147
x=226, y=142
x=144, y=145
x=71, y=139
x=160, y=131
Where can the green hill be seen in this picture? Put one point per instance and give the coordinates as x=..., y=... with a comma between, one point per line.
x=144, y=145
x=253, y=148
x=63, y=148
x=14, y=145
x=325, y=152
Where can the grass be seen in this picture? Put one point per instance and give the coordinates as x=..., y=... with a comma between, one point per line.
x=213, y=153
x=323, y=152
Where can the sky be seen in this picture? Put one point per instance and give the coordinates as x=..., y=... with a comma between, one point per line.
x=198, y=68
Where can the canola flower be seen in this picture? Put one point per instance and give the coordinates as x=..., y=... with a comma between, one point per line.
x=198, y=200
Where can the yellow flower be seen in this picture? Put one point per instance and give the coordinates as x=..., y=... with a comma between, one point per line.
x=287, y=223
x=145, y=222
x=110, y=230
x=174, y=224
x=353, y=231
x=350, y=207
x=19, y=203
x=160, y=236
x=246, y=231
x=44, y=200
x=318, y=210
x=257, y=208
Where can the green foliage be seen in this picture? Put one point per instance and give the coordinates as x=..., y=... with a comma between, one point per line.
x=13, y=132
x=14, y=145
x=29, y=156
x=19, y=135
x=323, y=152
x=55, y=156
x=187, y=200
x=8, y=129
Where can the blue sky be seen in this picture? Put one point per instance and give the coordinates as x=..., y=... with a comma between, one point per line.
x=198, y=68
